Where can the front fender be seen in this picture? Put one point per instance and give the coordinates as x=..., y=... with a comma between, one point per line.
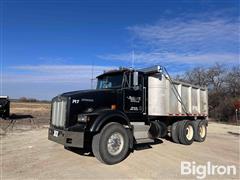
x=109, y=116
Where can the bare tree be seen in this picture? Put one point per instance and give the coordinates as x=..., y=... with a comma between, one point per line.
x=197, y=76
x=223, y=87
x=232, y=80
x=215, y=78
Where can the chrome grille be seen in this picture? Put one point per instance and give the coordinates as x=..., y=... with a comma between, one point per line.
x=59, y=113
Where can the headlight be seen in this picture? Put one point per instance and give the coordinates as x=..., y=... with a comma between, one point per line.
x=82, y=118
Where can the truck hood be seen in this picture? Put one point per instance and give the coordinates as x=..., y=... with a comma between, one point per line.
x=83, y=101
x=88, y=93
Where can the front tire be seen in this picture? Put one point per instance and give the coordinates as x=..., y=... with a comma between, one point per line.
x=111, y=145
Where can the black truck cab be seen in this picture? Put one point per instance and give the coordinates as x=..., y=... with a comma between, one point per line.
x=117, y=97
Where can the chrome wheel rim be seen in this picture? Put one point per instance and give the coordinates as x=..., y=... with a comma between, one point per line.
x=189, y=133
x=115, y=143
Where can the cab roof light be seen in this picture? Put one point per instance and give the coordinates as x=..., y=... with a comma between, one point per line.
x=113, y=106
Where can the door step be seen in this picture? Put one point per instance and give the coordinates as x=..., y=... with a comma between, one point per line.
x=144, y=140
x=140, y=132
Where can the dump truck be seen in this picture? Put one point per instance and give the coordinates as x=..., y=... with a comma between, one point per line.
x=4, y=107
x=129, y=107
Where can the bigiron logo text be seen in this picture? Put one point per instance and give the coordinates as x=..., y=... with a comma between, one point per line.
x=201, y=171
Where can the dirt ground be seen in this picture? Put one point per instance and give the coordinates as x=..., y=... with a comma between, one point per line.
x=26, y=153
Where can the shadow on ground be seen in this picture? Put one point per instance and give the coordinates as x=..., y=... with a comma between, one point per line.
x=10, y=122
x=139, y=147
x=80, y=151
x=233, y=133
x=20, y=116
x=88, y=152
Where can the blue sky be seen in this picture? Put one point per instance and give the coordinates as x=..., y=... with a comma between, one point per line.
x=48, y=47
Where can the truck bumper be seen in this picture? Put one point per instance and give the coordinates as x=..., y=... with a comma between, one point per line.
x=66, y=138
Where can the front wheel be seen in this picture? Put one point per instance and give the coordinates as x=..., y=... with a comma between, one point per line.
x=111, y=145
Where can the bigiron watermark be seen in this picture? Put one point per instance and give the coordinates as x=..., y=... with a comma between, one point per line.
x=201, y=171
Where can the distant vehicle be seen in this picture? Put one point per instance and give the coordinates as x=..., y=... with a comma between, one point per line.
x=129, y=107
x=4, y=107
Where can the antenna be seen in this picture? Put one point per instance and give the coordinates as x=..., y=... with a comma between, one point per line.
x=133, y=58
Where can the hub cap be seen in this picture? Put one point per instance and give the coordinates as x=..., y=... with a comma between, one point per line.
x=115, y=144
x=189, y=132
x=202, y=131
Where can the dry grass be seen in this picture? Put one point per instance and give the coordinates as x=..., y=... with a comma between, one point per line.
x=32, y=108
x=26, y=116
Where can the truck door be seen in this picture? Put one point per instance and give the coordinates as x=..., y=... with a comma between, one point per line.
x=133, y=95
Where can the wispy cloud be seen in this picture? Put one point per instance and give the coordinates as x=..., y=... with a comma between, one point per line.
x=174, y=58
x=76, y=69
x=181, y=35
x=54, y=73
x=197, y=41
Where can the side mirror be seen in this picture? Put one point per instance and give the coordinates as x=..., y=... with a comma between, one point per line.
x=135, y=79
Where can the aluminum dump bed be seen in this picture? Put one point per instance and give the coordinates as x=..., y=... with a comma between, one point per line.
x=167, y=97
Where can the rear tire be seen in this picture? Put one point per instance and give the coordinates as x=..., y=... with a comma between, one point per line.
x=154, y=130
x=200, y=127
x=175, y=132
x=111, y=145
x=186, y=132
x=163, y=129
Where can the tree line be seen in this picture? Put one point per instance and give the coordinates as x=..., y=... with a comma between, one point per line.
x=223, y=89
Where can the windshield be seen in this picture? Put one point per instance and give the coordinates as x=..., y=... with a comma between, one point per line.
x=110, y=81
